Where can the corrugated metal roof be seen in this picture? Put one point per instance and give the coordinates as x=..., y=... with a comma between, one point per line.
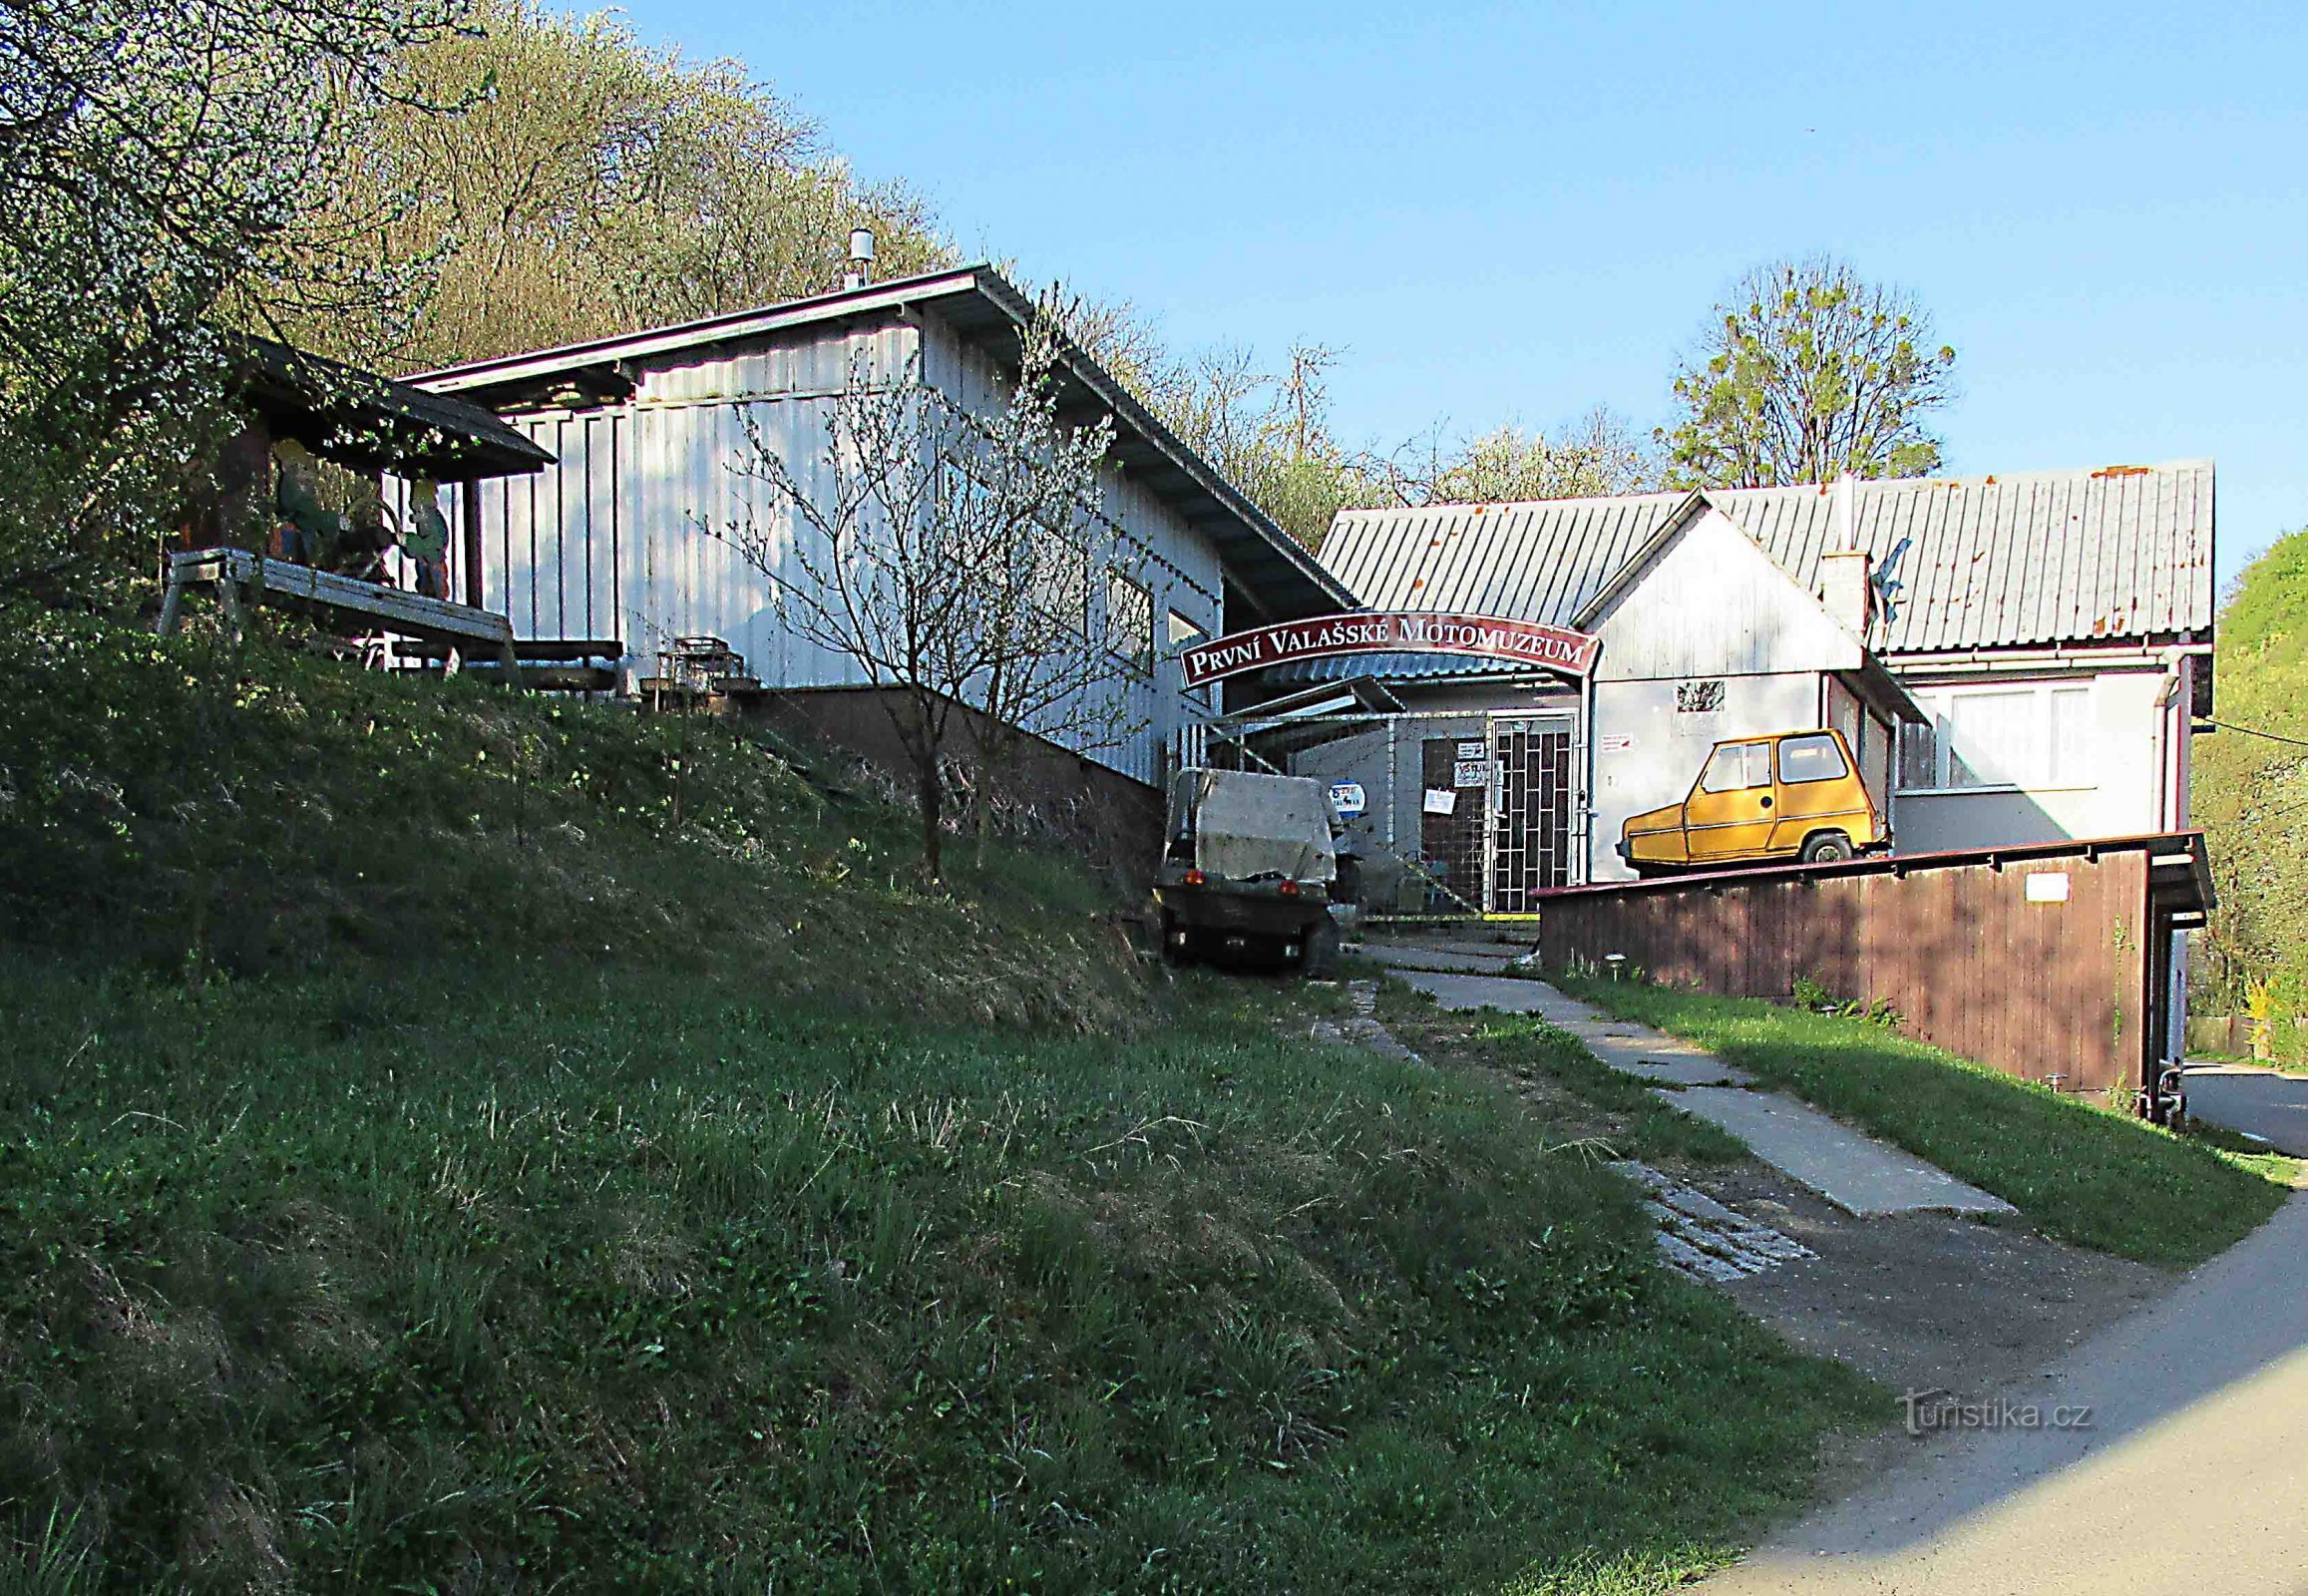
x=2032, y=560
x=1390, y=667
x=1264, y=560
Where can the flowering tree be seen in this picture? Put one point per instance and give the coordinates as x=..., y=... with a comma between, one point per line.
x=163, y=165
x=960, y=561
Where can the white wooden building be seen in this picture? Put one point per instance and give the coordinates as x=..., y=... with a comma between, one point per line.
x=615, y=545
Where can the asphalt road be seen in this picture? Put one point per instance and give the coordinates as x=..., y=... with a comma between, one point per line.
x=2191, y=1477
x=2262, y=1101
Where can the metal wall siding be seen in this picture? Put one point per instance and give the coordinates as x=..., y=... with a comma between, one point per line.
x=2034, y=558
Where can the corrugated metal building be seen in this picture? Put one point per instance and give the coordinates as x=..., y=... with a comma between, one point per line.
x=2046, y=637
x=617, y=542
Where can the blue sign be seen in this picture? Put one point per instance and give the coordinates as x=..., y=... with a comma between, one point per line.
x=1347, y=798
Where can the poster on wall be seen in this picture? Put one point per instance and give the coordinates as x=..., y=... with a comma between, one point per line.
x=1441, y=801
x=1348, y=798
x=1470, y=773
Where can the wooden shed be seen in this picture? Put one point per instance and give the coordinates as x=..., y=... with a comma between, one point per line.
x=2050, y=962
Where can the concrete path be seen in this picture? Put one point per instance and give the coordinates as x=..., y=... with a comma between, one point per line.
x=1478, y=958
x=2191, y=1478
x=1856, y=1173
x=2259, y=1102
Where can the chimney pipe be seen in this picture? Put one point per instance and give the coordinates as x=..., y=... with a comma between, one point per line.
x=861, y=259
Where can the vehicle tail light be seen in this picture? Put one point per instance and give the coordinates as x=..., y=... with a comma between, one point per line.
x=1195, y=877
x=1288, y=889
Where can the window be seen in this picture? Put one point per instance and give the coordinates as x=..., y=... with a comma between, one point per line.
x=1130, y=621
x=2038, y=736
x=2070, y=743
x=1182, y=632
x=1991, y=738
x=1811, y=759
x=1061, y=587
x=1738, y=766
x=1699, y=697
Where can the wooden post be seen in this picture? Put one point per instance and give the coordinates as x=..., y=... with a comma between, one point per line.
x=229, y=591
x=472, y=544
x=171, y=604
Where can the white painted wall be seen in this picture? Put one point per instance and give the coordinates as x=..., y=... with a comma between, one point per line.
x=1648, y=753
x=612, y=541
x=2124, y=793
x=1712, y=604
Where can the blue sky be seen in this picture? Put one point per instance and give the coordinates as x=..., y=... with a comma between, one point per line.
x=1517, y=212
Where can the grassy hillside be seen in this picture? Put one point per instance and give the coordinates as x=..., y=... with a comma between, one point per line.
x=431, y=1163
x=186, y=808
x=2251, y=795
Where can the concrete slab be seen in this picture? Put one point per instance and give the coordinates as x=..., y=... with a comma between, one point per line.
x=1861, y=1176
x=1857, y=1174
x=1464, y=991
x=1680, y=1073
x=1632, y=1049
x=1470, y=957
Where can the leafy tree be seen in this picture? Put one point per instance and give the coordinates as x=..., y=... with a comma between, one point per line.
x=955, y=561
x=163, y=164
x=585, y=183
x=2250, y=790
x=1807, y=372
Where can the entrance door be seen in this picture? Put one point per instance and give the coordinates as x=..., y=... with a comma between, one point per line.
x=1456, y=778
x=1531, y=844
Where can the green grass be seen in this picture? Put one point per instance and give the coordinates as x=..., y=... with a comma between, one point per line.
x=454, y=1142
x=1637, y=1124
x=2076, y=1170
x=516, y=1274
x=176, y=805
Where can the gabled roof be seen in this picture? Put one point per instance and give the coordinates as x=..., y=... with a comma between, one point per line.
x=1268, y=565
x=2031, y=561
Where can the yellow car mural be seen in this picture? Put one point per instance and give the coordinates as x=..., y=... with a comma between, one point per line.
x=1789, y=795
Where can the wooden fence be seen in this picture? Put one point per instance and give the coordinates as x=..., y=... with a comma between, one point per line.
x=2048, y=963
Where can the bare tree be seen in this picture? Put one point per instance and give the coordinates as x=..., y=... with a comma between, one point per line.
x=1598, y=454
x=945, y=564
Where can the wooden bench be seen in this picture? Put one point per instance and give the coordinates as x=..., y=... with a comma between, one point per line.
x=241, y=578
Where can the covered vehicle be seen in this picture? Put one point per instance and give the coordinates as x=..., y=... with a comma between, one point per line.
x=1251, y=867
x=1790, y=795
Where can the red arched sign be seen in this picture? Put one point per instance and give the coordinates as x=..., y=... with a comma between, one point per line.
x=1396, y=631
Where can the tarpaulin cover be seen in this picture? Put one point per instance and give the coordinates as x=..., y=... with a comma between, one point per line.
x=1247, y=823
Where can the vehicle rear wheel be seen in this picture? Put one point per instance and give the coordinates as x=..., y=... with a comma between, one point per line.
x=1321, y=960
x=1827, y=848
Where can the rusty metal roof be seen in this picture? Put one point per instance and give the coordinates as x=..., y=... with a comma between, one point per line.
x=2039, y=559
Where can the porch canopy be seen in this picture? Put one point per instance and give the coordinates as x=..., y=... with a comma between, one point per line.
x=372, y=424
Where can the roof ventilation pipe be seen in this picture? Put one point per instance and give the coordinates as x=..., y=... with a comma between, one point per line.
x=1846, y=588
x=860, y=259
